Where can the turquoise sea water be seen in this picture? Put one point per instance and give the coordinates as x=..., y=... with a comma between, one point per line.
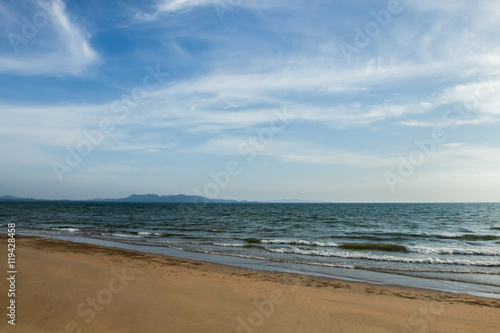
x=448, y=242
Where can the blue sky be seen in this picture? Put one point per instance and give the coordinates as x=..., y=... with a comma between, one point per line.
x=344, y=101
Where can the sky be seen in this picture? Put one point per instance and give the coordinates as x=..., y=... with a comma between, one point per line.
x=338, y=101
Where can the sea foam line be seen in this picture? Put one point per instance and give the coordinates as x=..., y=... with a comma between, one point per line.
x=299, y=242
x=380, y=247
x=444, y=250
x=66, y=229
x=367, y=256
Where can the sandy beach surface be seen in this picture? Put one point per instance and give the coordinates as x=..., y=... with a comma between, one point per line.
x=70, y=287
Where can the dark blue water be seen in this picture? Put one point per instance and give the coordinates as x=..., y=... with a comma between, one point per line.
x=452, y=242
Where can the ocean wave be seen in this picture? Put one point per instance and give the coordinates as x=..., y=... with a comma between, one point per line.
x=121, y=235
x=299, y=242
x=249, y=256
x=375, y=235
x=253, y=240
x=456, y=270
x=387, y=258
x=156, y=234
x=65, y=229
x=467, y=237
x=403, y=236
x=147, y=233
x=430, y=250
x=169, y=242
x=374, y=246
x=229, y=244
x=424, y=250
x=247, y=245
x=383, y=247
x=348, y=246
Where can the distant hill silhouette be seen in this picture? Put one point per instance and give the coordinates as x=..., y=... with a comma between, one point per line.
x=179, y=198
x=12, y=198
x=173, y=198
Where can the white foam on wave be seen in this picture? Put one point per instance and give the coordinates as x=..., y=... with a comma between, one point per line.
x=445, y=250
x=417, y=249
x=367, y=256
x=164, y=241
x=124, y=235
x=229, y=244
x=66, y=229
x=148, y=233
x=299, y=242
x=249, y=256
x=140, y=234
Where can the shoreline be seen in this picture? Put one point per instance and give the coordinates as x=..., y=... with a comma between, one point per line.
x=137, y=291
x=374, y=277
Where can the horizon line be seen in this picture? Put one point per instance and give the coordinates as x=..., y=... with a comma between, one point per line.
x=244, y=200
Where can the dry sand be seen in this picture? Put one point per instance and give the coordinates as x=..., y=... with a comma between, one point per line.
x=70, y=287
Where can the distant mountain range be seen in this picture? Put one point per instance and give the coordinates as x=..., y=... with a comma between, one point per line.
x=178, y=198
x=12, y=198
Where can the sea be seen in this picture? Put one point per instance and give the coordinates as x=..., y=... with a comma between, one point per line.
x=445, y=246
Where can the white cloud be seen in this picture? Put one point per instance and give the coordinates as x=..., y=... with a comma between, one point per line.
x=482, y=96
x=467, y=156
x=179, y=5
x=174, y=6
x=357, y=114
x=457, y=158
x=309, y=78
x=290, y=151
x=471, y=103
x=302, y=152
x=442, y=52
x=220, y=7
x=69, y=50
x=52, y=126
x=454, y=120
x=337, y=157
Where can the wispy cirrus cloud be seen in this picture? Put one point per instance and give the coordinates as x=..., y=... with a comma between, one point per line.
x=294, y=151
x=174, y=6
x=179, y=5
x=59, y=47
x=472, y=103
x=218, y=6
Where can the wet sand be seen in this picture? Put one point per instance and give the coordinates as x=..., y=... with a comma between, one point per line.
x=71, y=287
